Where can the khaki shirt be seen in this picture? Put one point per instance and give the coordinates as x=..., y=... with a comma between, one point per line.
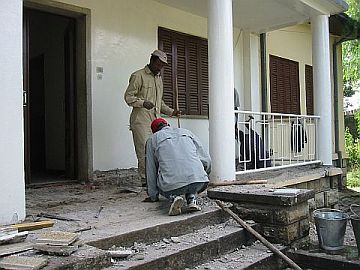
x=144, y=85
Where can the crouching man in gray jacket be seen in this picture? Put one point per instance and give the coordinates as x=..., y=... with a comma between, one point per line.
x=176, y=165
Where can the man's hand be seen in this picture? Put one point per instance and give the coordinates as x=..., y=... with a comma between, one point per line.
x=148, y=199
x=148, y=105
x=176, y=113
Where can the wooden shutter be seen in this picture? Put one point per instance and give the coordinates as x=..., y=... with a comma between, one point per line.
x=309, y=90
x=284, y=85
x=189, y=65
x=166, y=44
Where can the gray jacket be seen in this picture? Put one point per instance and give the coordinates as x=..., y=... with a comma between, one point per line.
x=175, y=158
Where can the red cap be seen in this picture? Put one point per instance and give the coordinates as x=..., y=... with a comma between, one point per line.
x=156, y=124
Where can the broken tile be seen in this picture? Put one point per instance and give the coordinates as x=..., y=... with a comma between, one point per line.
x=120, y=253
x=57, y=238
x=23, y=262
x=8, y=230
x=175, y=239
x=58, y=250
x=14, y=248
x=13, y=238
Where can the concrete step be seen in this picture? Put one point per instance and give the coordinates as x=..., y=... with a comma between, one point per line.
x=188, y=250
x=93, y=255
x=253, y=257
x=175, y=226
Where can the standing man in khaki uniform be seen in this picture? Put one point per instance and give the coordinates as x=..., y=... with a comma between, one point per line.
x=144, y=94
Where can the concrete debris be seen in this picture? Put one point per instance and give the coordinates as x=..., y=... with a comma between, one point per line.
x=58, y=250
x=8, y=230
x=23, y=262
x=139, y=257
x=57, y=238
x=13, y=238
x=175, y=239
x=166, y=241
x=14, y=248
x=120, y=254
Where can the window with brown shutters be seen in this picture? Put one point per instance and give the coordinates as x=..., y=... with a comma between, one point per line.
x=309, y=90
x=185, y=78
x=284, y=85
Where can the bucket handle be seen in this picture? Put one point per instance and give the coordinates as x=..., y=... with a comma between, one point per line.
x=352, y=211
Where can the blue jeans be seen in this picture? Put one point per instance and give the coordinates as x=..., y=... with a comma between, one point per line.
x=189, y=191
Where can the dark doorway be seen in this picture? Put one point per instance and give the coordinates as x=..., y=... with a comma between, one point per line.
x=50, y=89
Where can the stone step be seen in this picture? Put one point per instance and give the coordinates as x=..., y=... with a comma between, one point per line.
x=174, y=227
x=253, y=257
x=94, y=255
x=186, y=250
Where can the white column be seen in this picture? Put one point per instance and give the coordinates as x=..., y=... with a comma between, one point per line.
x=322, y=86
x=12, y=191
x=251, y=66
x=221, y=90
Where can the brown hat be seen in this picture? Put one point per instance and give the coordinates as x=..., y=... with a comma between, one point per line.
x=162, y=56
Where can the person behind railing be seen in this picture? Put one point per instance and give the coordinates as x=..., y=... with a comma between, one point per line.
x=298, y=136
x=176, y=165
x=236, y=107
x=253, y=152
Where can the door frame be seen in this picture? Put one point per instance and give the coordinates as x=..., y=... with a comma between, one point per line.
x=84, y=162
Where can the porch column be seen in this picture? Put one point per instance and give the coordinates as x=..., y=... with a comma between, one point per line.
x=221, y=90
x=322, y=86
x=12, y=191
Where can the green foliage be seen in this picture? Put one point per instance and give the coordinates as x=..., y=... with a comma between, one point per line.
x=357, y=118
x=351, y=52
x=352, y=145
x=348, y=89
x=353, y=178
x=353, y=150
x=354, y=9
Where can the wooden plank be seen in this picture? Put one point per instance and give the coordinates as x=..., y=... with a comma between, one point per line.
x=34, y=225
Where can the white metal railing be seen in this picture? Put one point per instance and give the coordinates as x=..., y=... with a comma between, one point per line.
x=267, y=141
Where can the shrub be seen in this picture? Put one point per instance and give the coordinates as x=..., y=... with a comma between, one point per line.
x=352, y=149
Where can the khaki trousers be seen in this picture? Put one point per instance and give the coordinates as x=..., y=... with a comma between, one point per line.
x=140, y=134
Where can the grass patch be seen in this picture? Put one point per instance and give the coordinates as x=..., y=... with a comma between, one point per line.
x=353, y=178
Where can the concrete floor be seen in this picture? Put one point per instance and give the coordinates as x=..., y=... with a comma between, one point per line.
x=121, y=212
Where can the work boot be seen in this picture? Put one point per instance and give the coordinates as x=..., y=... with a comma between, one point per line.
x=175, y=208
x=191, y=203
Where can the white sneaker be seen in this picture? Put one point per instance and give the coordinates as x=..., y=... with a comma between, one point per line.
x=193, y=207
x=175, y=208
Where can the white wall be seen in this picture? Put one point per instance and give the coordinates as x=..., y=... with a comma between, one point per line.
x=12, y=192
x=293, y=43
x=123, y=34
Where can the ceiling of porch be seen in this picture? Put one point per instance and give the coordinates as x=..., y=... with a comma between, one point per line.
x=265, y=15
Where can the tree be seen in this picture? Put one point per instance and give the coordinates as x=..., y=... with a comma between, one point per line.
x=351, y=54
